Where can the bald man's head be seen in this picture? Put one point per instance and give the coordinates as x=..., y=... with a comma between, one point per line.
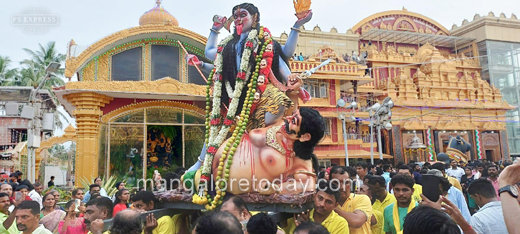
x=126, y=222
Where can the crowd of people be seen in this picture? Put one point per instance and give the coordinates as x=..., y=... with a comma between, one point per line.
x=358, y=199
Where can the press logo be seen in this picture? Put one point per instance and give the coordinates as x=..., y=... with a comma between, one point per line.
x=35, y=20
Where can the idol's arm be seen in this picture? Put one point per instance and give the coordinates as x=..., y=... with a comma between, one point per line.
x=284, y=70
x=211, y=45
x=290, y=45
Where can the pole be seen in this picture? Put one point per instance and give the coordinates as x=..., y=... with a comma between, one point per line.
x=371, y=139
x=379, y=142
x=345, y=140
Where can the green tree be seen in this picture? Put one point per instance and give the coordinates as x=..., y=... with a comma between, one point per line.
x=7, y=76
x=46, y=55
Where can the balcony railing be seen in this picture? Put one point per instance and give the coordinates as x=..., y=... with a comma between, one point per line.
x=364, y=137
x=333, y=68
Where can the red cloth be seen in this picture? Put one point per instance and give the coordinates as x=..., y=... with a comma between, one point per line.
x=117, y=208
x=28, y=198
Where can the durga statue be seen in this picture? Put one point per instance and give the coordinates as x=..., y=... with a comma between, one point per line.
x=247, y=136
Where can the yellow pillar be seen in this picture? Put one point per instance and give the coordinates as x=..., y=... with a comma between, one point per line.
x=87, y=113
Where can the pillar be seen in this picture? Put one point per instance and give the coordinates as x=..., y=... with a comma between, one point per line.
x=87, y=113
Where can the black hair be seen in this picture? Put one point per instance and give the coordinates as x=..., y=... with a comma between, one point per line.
x=492, y=165
x=30, y=205
x=351, y=171
x=52, y=177
x=45, y=197
x=406, y=167
x=329, y=188
x=126, y=222
x=4, y=195
x=364, y=165
x=379, y=162
x=481, y=165
x=96, y=179
x=20, y=187
x=445, y=184
x=482, y=187
x=93, y=186
x=118, y=194
x=312, y=122
x=439, y=166
x=218, y=223
x=239, y=203
x=94, y=196
x=338, y=170
x=310, y=228
x=427, y=220
x=377, y=180
x=69, y=204
x=102, y=202
x=172, y=180
x=451, y=160
x=386, y=167
x=179, y=170
x=261, y=223
x=75, y=191
x=145, y=196
x=403, y=179
x=321, y=167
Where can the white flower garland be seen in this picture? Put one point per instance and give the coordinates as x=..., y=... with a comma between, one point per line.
x=219, y=132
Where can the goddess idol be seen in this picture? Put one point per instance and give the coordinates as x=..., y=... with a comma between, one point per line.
x=253, y=88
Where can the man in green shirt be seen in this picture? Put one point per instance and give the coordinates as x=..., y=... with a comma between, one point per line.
x=7, y=221
x=395, y=213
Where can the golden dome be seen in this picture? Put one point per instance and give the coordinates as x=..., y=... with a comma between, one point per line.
x=158, y=16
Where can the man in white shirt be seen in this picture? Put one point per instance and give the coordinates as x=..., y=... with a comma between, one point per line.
x=28, y=218
x=454, y=170
x=489, y=218
x=36, y=193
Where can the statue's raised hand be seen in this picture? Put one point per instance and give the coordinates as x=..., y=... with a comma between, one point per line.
x=294, y=82
x=219, y=22
x=193, y=60
x=303, y=20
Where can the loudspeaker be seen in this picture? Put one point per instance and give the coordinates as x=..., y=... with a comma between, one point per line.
x=11, y=109
x=33, y=141
x=48, y=122
x=27, y=112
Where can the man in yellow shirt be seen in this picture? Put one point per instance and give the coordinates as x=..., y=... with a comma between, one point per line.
x=355, y=208
x=7, y=220
x=377, y=219
x=145, y=201
x=325, y=200
x=417, y=188
x=383, y=198
x=441, y=167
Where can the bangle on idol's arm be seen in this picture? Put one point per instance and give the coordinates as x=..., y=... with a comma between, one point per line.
x=296, y=29
x=214, y=30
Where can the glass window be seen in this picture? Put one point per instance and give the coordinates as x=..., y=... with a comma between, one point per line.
x=127, y=65
x=194, y=76
x=327, y=126
x=163, y=116
x=317, y=88
x=126, y=153
x=137, y=117
x=165, y=62
x=191, y=118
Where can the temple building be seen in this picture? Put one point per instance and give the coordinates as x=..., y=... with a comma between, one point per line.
x=437, y=79
x=139, y=106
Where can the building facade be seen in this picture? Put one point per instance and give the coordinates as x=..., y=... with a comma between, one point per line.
x=498, y=40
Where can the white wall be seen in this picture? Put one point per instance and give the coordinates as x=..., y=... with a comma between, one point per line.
x=58, y=173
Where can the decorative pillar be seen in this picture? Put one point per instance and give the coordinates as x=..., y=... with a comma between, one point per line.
x=87, y=113
x=478, y=144
x=398, y=147
x=429, y=143
x=504, y=144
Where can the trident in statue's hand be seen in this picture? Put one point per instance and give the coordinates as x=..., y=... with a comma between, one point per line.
x=306, y=74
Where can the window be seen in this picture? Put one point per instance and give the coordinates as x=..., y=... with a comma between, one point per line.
x=2, y=109
x=194, y=75
x=18, y=135
x=317, y=88
x=324, y=162
x=165, y=62
x=127, y=65
x=328, y=122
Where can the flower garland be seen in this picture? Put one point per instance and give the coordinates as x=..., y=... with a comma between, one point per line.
x=216, y=129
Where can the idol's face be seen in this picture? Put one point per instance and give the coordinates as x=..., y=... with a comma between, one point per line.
x=243, y=21
x=292, y=126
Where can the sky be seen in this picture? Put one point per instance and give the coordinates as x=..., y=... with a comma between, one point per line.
x=88, y=21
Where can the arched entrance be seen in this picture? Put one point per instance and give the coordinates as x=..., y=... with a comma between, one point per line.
x=140, y=138
x=68, y=136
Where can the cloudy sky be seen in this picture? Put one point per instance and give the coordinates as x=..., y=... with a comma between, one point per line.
x=88, y=21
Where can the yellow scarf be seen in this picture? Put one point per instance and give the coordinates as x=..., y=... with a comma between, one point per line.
x=397, y=223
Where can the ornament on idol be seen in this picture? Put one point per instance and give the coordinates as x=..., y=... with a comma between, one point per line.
x=257, y=97
x=269, y=48
x=261, y=80
x=263, y=63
